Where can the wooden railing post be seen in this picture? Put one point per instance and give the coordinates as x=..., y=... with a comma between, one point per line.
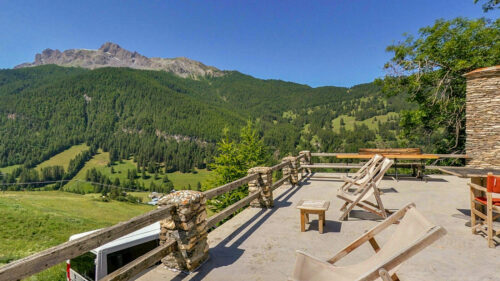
x=188, y=226
x=261, y=185
x=306, y=160
x=291, y=170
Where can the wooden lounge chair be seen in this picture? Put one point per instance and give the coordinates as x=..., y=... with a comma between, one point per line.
x=413, y=233
x=492, y=205
x=361, y=195
x=363, y=174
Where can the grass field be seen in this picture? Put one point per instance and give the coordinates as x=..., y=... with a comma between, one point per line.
x=33, y=221
x=63, y=158
x=9, y=169
x=100, y=162
x=371, y=123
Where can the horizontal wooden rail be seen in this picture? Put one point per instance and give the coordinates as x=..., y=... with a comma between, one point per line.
x=279, y=182
x=141, y=263
x=280, y=166
x=40, y=261
x=300, y=156
x=453, y=156
x=332, y=166
x=209, y=194
x=324, y=154
x=213, y=220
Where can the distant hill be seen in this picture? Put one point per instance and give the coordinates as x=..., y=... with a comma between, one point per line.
x=161, y=118
x=112, y=55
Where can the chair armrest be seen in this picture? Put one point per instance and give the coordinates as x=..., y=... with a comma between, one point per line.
x=371, y=233
x=477, y=187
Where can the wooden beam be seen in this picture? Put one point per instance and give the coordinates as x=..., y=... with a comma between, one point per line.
x=465, y=156
x=279, y=182
x=141, y=263
x=280, y=166
x=331, y=166
x=300, y=156
x=213, y=220
x=324, y=154
x=209, y=194
x=40, y=261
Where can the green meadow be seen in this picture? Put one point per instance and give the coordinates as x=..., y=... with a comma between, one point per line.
x=63, y=158
x=33, y=221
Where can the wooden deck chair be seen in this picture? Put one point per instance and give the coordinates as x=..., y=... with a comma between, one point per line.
x=361, y=195
x=363, y=174
x=492, y=205
x=413, y=233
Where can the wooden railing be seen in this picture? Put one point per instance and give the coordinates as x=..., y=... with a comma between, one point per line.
x=40, y=261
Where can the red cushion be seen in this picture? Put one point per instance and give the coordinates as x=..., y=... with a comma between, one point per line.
x=496, y=201
x=493, y=183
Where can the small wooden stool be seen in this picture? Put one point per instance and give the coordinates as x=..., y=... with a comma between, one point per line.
x=307, y=207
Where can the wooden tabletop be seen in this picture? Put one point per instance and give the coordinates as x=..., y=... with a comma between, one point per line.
x=313, y=205
x=391, y=156
x=467, y=172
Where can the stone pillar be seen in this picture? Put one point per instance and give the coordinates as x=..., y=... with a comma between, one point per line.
x=262, y=185
x=483, y=117
x=291, y=170
x=188, y=227
x=306, y=160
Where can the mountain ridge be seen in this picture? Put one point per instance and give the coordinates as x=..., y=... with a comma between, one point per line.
x=112, y=55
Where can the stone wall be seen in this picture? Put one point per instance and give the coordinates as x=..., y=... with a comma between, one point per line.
x=262, y=185
x=188, y=227
x=483, y=117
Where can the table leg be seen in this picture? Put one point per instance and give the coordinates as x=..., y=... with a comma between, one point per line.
x=321, y=222
x=307, y=217
x=302, y=221
x=396, y=168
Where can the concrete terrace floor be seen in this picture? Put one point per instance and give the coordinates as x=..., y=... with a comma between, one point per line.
x=260, y=244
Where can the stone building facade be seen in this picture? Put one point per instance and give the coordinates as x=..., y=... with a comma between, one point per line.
x=483, y=117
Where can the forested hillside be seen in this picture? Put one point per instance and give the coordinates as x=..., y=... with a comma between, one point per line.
x=173, y=123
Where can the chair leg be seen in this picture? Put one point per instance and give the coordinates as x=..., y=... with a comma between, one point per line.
x=472, y=215
x=344, y=206
x=489, y=219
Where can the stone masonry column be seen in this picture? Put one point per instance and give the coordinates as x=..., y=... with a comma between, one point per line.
x=306, y=160
x=483, y=117
x=262, y=185
x=188, y=227
x=291, y=170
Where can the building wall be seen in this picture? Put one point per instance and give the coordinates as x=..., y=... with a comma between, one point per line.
x=483, y=117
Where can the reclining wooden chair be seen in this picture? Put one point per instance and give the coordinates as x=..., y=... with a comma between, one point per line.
x=413, y=233
x=492, y=205
x=363, y=174
x=361, y=195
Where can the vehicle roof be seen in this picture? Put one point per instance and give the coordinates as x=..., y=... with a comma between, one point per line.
x=150, y=230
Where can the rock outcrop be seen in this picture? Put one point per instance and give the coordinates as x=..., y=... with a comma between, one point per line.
x=112, y=55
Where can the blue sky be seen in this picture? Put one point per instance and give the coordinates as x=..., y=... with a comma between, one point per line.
x=336, y=42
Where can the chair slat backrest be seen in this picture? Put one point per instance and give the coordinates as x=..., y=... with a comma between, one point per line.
x=493, y=183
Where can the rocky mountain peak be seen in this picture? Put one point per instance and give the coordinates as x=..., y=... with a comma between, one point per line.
x=112, y=55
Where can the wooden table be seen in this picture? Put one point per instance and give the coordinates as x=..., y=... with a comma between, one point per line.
x=307, y=207
x=396, y=157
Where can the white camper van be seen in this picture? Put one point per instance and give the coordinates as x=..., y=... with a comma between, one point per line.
x=101, y=261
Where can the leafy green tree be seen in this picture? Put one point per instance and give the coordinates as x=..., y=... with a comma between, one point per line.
x=430, y=68
x=235, y=157
x=489, y=5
